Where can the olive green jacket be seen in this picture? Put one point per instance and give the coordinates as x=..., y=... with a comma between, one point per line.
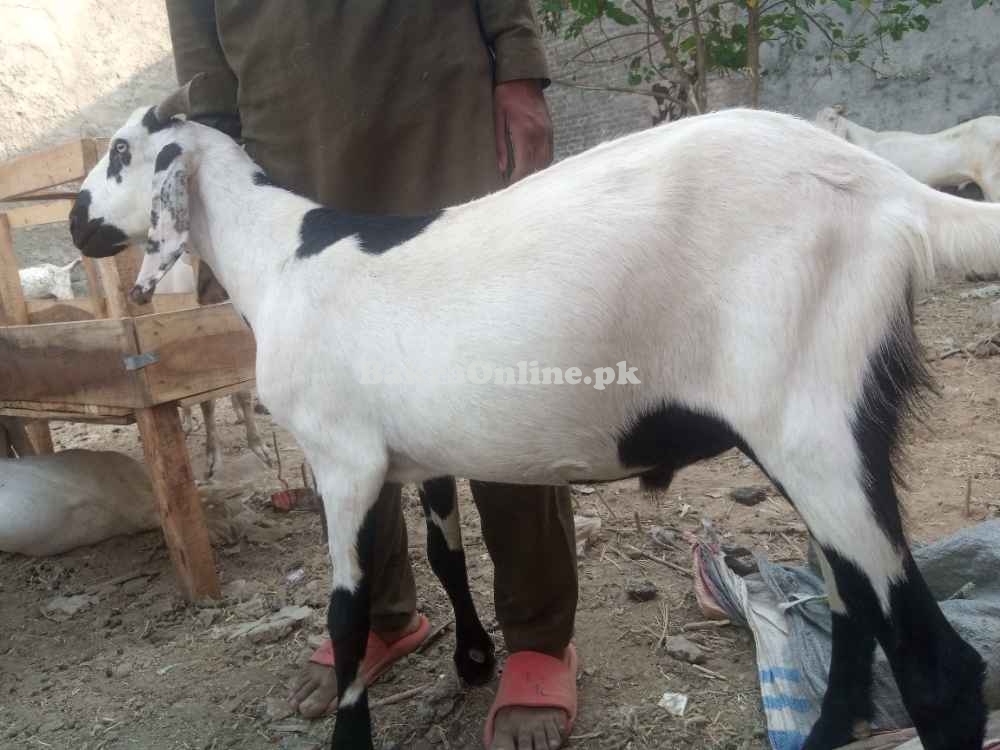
x=371, y=106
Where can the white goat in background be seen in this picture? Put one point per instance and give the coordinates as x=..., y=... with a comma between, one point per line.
x=47, y=280
x=181, y=280
x=756, y=273
x=969, y=152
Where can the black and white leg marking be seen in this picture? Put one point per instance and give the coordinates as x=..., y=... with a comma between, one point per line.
x=850, y=504
x=474, y=650
x=349, y=621
x=847, y=705
x=350, y=489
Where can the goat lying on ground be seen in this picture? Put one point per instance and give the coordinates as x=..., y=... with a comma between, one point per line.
x=180, y=279
x=758, y=303
x=969, y=152
x=47, y=280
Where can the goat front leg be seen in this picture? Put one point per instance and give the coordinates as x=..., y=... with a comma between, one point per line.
x=213, y=453
x=242, y=402
x=348, y=498
x=474, y=650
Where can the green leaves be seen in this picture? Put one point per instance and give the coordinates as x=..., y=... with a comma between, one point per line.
x=853, y=31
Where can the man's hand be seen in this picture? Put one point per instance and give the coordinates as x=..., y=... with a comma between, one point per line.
x=523, y=129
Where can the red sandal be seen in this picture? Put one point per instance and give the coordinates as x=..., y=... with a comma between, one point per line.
x=379, y=655
x=534, y=680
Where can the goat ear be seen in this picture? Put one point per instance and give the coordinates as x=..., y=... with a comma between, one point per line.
x=177, y=103
x=169, y=221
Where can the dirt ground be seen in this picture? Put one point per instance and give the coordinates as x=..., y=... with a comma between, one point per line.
x=143, y=669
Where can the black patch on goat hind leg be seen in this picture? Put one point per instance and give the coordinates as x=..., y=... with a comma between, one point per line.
x=894, y=385
x=669, y=436
x=940, y=676
x=166, y=156
x=349, y=621
x=848, y=699
x=474, y=649
x=323, y=227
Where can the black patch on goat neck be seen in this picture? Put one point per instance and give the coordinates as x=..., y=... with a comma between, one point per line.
x=670, y=436
x=894, y=383
x=118, y=160
x=166, y=156
x=154, y=125
x=940, y=676
x=322, y=227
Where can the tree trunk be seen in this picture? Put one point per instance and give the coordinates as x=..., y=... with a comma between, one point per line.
x=753, y=50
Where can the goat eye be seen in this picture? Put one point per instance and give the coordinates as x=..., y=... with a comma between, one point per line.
x=121, y=147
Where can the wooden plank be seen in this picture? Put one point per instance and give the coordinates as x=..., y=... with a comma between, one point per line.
x=40, y=436
x=13, y=311
x=164, y=303
x=177, y=500
x=118, y=275
x=50, y=212
x=94, y=292
x=228, y=390
x=115, y=299
x=66, y=416
x=60, y=310
x=199, y=350
x=34, y=409
x=42, y=169
x=78, y=363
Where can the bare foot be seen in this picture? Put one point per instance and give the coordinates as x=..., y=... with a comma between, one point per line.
x=528, y=729
x=314, y=692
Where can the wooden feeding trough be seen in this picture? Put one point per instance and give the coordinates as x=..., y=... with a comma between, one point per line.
x=100, y=359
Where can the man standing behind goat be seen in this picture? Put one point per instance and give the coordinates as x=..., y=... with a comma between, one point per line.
x=405, y=108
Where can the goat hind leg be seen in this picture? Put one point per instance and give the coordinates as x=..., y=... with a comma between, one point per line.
x=474, y=650
x=878, y=587
x=213, y=452
x=847, y=708
x=243, y=405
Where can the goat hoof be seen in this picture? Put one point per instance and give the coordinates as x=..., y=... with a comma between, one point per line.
x=826, y=735
x=475, y=665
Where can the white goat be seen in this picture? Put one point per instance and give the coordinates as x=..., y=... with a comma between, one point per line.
x=753, y=272
x=969, y=152
x=47, y=280
x=181, y=280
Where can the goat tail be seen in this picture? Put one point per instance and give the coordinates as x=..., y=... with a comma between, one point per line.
x=72, y=264
x=962, y=235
